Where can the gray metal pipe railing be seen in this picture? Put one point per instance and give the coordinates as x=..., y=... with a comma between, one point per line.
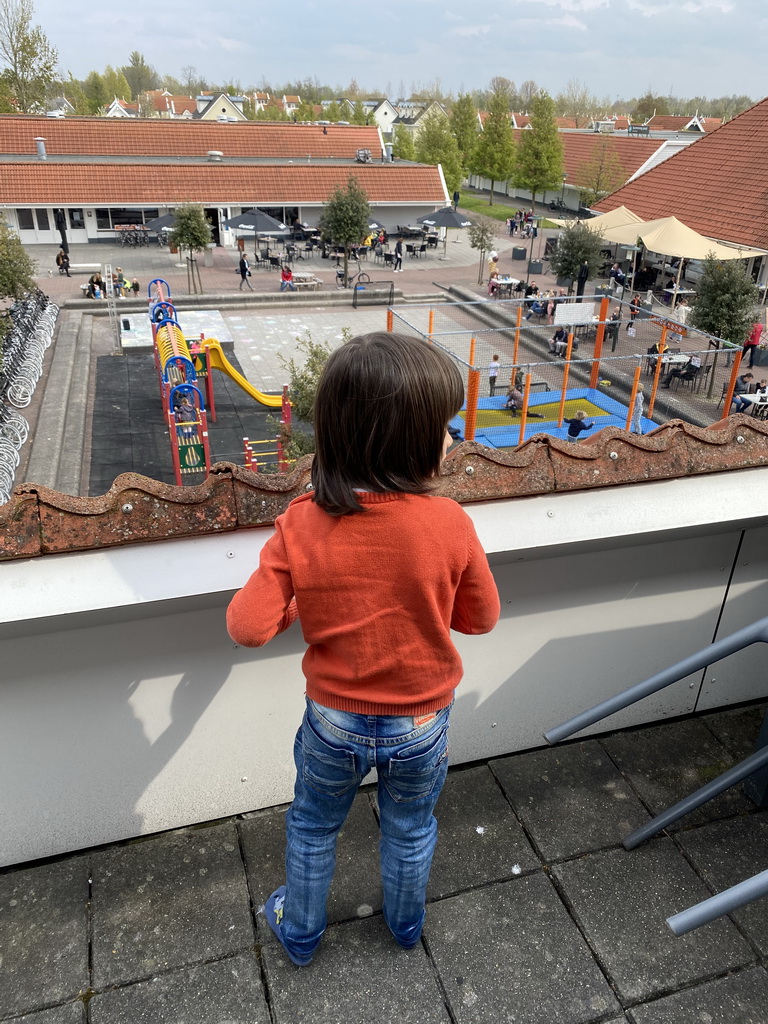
x=754, y=767
x=723, y=903
x=757, y=631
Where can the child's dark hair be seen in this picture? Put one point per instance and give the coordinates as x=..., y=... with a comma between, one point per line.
x=381, y=411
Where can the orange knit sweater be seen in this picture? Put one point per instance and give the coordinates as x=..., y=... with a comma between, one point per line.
x=377, y=594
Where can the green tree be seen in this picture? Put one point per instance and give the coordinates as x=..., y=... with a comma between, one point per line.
x=16, y=270
x=115, y=84
x=95, y=92
x=575, y=246
x=482, y=235
x=29, y=61
x=271, y=113
x=494, y=154
x=649, y=105
x=601, y=174
x=402, y=143
x=75, y=93
x=358, y=113
x=345, y=218
x=539, y=163
x=465, y=126
x=726, y=301
x=436, y=145
x=333, y=112
x=306, y=111
x=141, y=77
x=303, y=377
x=249, y=109
x=190, y=230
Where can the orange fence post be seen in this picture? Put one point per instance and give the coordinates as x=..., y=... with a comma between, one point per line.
x=657, y=373
x=472, y=352
x=431, y=322
x=473, y=393
x=594, y=376
x=389, y=320
x=732, y=385
x=517, y=333
x=635, y=383
x=524, y=410
x=566, y=372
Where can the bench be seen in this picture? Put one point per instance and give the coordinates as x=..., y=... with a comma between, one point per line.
x=314, y=283
x=85, y=266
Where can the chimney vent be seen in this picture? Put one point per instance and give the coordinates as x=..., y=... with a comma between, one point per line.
x=215, y=156
x=40, y=143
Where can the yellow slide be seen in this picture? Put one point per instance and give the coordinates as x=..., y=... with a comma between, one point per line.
x=218, y=361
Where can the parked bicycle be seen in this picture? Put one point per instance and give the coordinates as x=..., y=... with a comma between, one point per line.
x=557, y=204
x=352, y=279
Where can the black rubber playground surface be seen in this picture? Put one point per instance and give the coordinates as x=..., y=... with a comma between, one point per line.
x=129, y=433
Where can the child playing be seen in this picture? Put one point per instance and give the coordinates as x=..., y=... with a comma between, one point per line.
x=577, y=424
x=378, y=571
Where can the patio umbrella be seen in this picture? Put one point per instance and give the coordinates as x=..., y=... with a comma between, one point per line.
x=168, y=220
x=444, y=218
x=257, y=221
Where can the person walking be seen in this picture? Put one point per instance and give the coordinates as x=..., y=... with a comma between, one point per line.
x=381, y=668
x=245, y=272
x=750, y=345
x=399, y=256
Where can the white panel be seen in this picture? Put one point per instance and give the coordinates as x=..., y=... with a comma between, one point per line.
x=742, y=676
x=577, y=629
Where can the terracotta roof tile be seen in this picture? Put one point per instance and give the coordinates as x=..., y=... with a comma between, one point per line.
x=98, y=136
x=716, y=186
x=158, y=184
x=676, y=123
x=580, y=149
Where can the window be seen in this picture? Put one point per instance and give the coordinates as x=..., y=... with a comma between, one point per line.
x=25, y=220
x=102, y=220
x=76, y=220
x=42, y=220
x=150, y=214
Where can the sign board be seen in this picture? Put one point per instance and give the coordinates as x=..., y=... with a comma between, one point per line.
x=574, y=313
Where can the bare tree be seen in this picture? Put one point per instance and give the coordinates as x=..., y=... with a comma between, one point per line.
x=578, y=102
x=528, y=90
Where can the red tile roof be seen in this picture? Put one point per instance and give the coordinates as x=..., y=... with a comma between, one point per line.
x=580, y=147
x=676, y=123
x=716, y=186
x=98, y=136
x=166, y=185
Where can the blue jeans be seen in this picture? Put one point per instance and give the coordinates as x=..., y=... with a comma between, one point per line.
x=287, y=284
x=334, y=751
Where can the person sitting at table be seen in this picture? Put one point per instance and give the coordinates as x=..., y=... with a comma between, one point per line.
x=685, y=372
x=741, y=387
x=653, y=352
x=286, y=278
x=493, y=283
x=514, y=402
x=537, y=308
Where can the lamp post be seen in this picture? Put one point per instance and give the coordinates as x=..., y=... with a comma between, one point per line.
x=562, y=191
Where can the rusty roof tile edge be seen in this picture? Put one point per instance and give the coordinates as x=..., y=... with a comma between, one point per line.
x=39, y=520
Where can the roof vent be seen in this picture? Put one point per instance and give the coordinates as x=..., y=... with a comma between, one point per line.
x=215, y=156
x=40, y=143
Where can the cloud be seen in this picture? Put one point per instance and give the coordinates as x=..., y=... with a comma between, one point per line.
x=471, y=30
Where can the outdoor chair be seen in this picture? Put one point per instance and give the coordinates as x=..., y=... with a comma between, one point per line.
x=389, y=259
x=702, y=377
x=422, y=250
x=410, y=249
x=432, y=241
x=378, y=253
x=262, y=260
x=274, y=263
x=689, y=377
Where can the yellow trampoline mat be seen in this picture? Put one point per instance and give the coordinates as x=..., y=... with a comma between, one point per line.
x=550, y=411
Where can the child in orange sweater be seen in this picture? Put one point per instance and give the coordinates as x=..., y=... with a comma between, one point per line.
x=378, y=571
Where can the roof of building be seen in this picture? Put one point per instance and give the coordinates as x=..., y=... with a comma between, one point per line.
x=580, y=147
x=679, y=123
x=89, y=184
x=98, y=136
x=717, y=186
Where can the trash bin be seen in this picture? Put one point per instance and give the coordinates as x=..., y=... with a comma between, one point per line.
x=208, y=259
x=535, y=267
x=519, y=252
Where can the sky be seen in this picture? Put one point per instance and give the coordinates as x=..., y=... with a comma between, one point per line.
x=616, y=47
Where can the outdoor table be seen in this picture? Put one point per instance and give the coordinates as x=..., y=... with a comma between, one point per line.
x=505, y=286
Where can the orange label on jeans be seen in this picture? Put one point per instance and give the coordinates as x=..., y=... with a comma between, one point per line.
x=424, y=719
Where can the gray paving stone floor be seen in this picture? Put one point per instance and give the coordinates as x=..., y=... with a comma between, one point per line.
x=537, y=914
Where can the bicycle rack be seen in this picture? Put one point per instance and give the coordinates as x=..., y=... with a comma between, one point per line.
x=754, y=769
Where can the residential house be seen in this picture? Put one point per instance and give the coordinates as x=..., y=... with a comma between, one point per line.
x=219, y=108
